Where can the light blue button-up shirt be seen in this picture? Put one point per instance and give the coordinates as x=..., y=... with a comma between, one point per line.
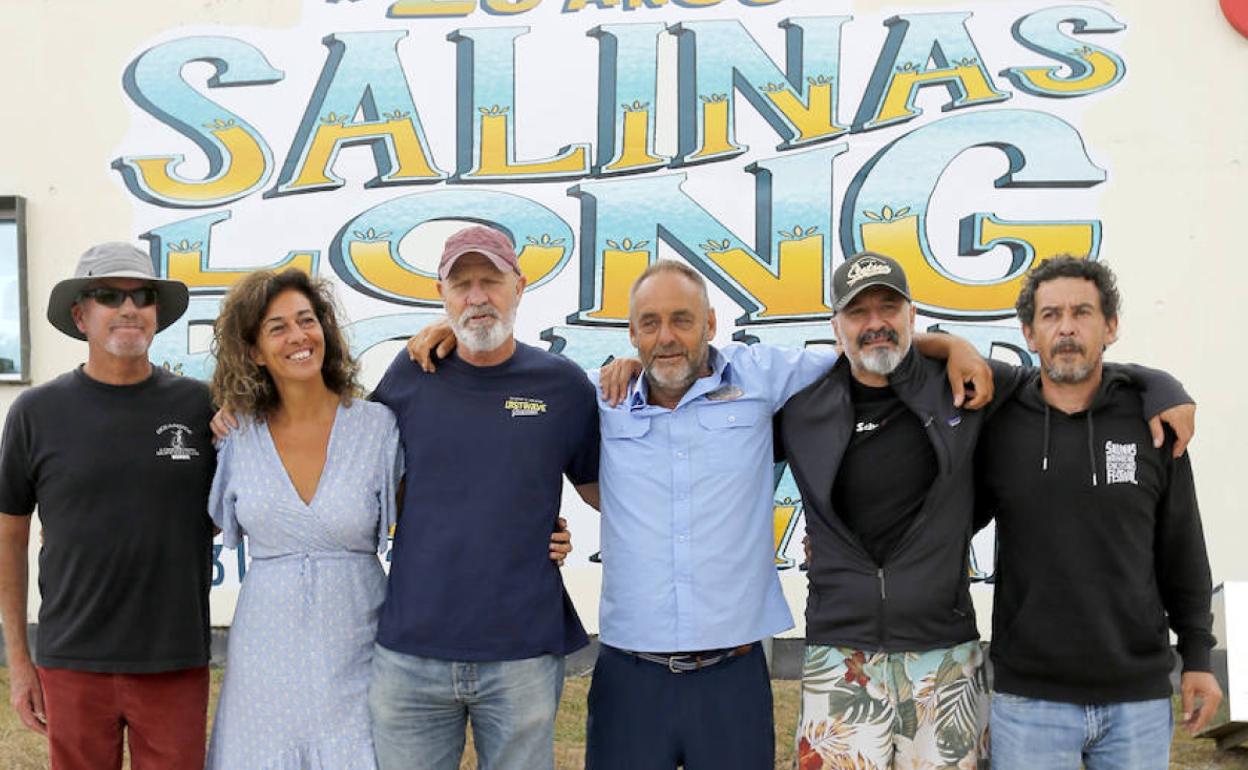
x=687, y=506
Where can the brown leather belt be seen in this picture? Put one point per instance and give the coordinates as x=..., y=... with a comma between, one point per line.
x=684, y=662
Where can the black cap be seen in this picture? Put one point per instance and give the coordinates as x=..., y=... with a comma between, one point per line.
x=862, y=271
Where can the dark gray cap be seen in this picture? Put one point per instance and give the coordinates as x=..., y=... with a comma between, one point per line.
x=862, y=271
x=114, y=260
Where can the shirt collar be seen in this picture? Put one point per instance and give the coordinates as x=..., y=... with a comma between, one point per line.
x=720, y=374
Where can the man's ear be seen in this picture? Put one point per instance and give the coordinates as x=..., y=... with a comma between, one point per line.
x=1028, y=334
x=1111, y=331
x=75, y=312
x=710, y=324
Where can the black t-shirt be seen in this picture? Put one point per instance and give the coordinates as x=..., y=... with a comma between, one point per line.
x=121, y=476
x=886, y=472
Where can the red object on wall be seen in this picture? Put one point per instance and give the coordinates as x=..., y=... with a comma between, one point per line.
x=1236, y=12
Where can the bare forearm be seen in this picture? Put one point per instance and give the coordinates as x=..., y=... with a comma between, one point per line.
x=938, y=345
x=932, y=345
x=589, y=493
x=963, y=365
x=14, y=576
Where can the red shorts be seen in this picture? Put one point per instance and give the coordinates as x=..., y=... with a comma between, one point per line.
x=165, y=714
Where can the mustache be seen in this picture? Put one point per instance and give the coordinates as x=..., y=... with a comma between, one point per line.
x=1068, y=345
x=474, y=310
x=670, y=349
x=878, y=335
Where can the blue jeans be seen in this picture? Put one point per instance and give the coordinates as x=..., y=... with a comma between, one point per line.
x=1031, y=734
x=421, y=706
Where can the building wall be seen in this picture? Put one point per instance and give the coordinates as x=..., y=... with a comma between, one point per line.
x=1172, y=137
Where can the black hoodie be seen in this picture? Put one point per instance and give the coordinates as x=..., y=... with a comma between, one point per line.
x=1099, y=550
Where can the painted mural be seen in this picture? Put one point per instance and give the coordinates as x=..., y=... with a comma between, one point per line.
x=761, y=141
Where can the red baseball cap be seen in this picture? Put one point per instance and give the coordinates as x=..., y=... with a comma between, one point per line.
x=479, y=239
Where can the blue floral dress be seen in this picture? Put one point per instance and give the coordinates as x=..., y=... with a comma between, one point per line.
x=296, y=677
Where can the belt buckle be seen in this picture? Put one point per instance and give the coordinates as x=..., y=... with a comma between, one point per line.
x=671, y=665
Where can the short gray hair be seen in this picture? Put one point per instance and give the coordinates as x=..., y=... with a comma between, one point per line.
x=670, y=266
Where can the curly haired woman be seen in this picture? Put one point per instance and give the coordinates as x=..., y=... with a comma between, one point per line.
x=310, y=477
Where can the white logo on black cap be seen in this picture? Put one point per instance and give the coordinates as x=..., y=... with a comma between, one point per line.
x=867, y=267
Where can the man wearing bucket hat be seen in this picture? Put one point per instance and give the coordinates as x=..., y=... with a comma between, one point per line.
x=117, y=456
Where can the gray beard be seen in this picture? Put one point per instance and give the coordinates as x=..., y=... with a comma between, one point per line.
x=882, y=361
x=681, y=380
x=482, y=339
x=1069, y=374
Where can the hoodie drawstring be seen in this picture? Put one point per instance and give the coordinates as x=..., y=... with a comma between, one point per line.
x=1044, y=461
x=1091, y=448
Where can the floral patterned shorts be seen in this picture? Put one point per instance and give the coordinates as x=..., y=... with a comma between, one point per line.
x=878, y=711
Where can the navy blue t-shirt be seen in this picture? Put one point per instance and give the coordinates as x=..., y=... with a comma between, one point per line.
x=486, y=451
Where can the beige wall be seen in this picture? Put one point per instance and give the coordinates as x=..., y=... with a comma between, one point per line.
x=62, y=66
x=1177, y=140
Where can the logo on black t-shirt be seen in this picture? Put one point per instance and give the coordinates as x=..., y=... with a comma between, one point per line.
x=523, y=406
x=177, y=436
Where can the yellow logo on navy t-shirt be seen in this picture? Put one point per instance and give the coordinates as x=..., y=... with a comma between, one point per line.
x=523, y=406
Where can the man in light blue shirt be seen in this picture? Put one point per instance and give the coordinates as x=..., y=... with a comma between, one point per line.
x=689, y=579
x=688, y=562
x=689, y=583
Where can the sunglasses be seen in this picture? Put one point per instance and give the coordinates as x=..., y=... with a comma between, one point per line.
x=110, y=297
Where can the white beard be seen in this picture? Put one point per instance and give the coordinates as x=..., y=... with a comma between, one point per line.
x=668, y=379
x=483, y=338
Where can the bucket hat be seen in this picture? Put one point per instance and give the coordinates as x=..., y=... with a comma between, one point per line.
x=114, y=260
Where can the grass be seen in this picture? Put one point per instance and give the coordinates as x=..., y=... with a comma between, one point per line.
x=21, y=749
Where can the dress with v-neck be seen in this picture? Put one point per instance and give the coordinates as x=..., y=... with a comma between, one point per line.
x=296, y=677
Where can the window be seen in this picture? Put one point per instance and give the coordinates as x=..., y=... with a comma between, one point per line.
x=14, y=338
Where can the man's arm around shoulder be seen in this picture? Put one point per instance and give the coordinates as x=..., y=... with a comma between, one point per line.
x=1166, y=401
x=786, y=370
x=963, y=365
